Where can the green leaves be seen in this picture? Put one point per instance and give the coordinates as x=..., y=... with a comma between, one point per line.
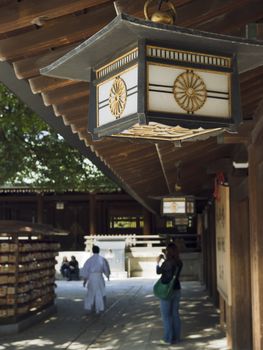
x=33, y=154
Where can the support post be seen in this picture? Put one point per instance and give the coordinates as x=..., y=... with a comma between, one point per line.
x=256, y=240
x=222, y=308
x=146, y=222
x=92, y=214
x=240, y=317
x=40, y=207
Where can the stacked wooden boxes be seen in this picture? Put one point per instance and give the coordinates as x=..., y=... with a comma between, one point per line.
x=27, y=270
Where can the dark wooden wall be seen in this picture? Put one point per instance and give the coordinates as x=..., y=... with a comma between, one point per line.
x=256, y=229
x=83, y=214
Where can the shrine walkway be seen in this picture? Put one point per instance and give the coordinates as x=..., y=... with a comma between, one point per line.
x=131, y=321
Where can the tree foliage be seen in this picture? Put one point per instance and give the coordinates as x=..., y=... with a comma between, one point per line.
x=32, y=154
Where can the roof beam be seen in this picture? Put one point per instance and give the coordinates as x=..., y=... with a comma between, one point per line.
x=206, y=11
x=44, y=84
x=29, y=67
x=72, y=107
x=56, y=33
x=66, y=93
x=73, y=118
x=249, y=11
x=16, y=15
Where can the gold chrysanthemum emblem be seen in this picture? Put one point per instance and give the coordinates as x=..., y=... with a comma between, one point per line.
x=118, y=97
x=190, y=91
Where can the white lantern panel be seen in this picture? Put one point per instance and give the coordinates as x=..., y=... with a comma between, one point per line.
x=174, y=206
x=126, y=97
x=174, y=89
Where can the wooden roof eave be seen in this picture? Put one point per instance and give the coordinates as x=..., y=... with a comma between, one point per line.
x=21, y=89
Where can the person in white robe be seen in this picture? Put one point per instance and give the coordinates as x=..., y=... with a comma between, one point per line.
x=92, y=273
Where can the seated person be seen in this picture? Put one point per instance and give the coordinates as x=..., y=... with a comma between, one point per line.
x=64, y=269
x=73, y=269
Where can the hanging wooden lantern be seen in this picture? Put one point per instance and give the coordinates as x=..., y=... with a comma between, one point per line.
x=178, y=206
x=143, y=74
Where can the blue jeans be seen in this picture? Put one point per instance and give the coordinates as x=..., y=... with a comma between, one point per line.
x=171, y=318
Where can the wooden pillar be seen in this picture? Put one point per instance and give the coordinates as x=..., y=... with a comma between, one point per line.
x=204, y=245
x=229, y=333
x=40, y=207
x=222, y=308
x=209, y=250
x=256, y=228
x=239, y=314
x=209, y=254
x=92, y=214
x=146, y=222
x=213, y=285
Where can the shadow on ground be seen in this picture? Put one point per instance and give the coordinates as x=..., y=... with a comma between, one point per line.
x=131, y=321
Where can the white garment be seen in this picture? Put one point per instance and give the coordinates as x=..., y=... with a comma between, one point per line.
x=93, y=271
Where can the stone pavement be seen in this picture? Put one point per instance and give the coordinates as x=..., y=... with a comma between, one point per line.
x=131, y=321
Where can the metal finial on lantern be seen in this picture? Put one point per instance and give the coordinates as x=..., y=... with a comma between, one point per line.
x=161, y=16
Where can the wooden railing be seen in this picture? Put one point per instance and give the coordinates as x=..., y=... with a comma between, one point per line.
x=185, y=242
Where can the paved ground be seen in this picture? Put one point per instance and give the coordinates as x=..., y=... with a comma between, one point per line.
x=131, y=321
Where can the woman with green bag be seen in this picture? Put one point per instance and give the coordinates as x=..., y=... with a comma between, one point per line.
x=172, y=265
